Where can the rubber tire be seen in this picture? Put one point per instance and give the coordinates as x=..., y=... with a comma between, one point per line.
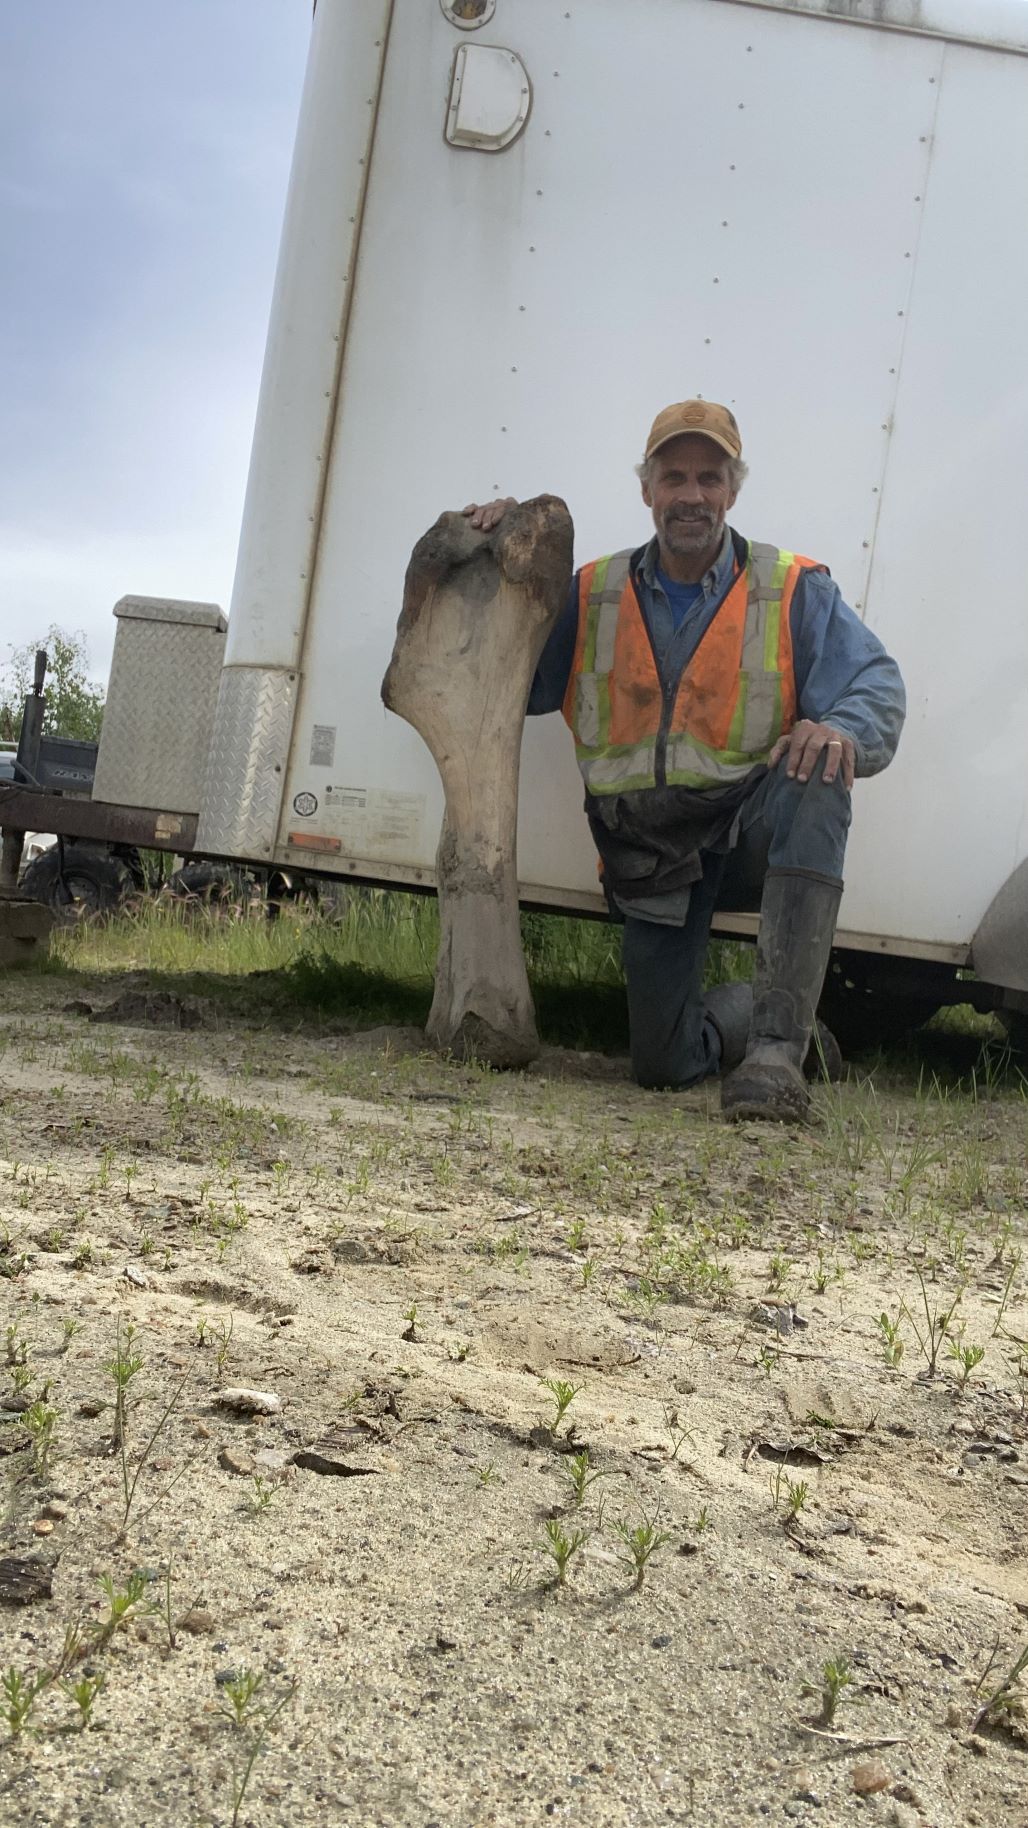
x=212, y=884
x=99, y=883
x=863, y=1013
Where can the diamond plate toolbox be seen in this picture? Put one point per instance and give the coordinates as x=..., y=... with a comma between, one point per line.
x=160, y=703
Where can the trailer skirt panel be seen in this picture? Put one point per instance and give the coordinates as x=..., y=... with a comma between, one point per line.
x=246, y=762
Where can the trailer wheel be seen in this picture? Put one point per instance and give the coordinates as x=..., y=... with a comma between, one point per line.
x=212, y=884
x=291, y=888
x=87, y=882
x=866, y=1008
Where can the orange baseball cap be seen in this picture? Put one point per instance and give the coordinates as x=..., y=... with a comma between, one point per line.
x=703, y=417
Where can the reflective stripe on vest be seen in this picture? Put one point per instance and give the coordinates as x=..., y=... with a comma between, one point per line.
x=734, y=698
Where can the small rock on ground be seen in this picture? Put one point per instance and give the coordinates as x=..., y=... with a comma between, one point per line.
x=196, y=1621
x=871, y=1776
x=234, y=1460
x=250, y=1402
x=25, y=1578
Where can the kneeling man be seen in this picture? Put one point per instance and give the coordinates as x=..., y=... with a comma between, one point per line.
x=723, y=698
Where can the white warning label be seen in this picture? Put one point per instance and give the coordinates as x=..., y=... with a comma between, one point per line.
x=374, y=821
x=323, y=745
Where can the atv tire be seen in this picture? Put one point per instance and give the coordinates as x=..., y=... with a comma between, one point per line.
x=88, y=882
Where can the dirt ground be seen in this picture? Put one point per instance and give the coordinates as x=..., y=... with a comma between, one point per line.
x=402, y=1252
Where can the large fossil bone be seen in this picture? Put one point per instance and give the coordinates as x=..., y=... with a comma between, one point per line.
x=477, y=608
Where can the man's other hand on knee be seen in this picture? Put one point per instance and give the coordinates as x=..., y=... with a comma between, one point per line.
x=805, y=743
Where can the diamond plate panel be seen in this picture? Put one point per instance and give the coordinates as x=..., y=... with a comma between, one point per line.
x=160, y=704
x=246, y=762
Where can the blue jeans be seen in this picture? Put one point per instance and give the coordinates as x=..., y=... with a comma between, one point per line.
x=784, y=824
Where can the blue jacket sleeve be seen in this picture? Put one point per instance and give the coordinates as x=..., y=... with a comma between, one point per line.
x=844, y=676
x=554, y=669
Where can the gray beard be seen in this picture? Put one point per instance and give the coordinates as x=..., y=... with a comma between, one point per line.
x=691, y=536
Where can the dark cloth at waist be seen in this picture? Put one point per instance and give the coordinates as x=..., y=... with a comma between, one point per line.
x=650, y=842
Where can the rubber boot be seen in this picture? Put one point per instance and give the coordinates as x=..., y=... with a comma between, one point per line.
x=797, y=925
x=730, y=1008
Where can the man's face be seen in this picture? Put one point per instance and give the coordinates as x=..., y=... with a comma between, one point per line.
x=689, y=492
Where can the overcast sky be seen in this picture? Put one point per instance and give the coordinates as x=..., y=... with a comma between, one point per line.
x=144, y=154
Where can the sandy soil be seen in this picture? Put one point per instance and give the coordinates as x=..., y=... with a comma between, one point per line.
x=401, y=1251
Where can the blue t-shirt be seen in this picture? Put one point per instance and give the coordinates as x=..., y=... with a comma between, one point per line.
x=681, y=597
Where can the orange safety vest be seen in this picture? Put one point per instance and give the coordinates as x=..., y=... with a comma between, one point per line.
x=733, y=700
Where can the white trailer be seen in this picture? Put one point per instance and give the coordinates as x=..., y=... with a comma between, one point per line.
x=517, y=228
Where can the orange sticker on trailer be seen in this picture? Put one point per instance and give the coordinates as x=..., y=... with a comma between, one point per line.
x=310, y=841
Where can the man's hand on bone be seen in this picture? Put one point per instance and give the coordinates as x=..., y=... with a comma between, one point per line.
x=487, y=515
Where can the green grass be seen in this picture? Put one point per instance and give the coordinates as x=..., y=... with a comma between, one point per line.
x=374, y=963
x=396, y=935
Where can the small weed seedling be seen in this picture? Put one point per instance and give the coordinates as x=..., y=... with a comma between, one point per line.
x=252, y=1718
x=646, y=1300
x=797, y=1493
x=263, y=1494
x=17, y=1345
x=221, y=1333
x=815, y=1419
x=790, y=1493
x=641, y=1542
x=41, y=1421
x=892, y=1342
x=241, y=1693
x=677, y=1430
x=123, y=1606
x=938, y=1322
x=1015, y=1264
x=966, y=1359
x=124, y=1366
x=581, y=1475
x=84, y=1693
x=778, y=1271
x=20, y=1694
x=562, y=1548
x=563, y=1396
x=488, y=1475
x=1006, y=1698
x=836, y=1677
